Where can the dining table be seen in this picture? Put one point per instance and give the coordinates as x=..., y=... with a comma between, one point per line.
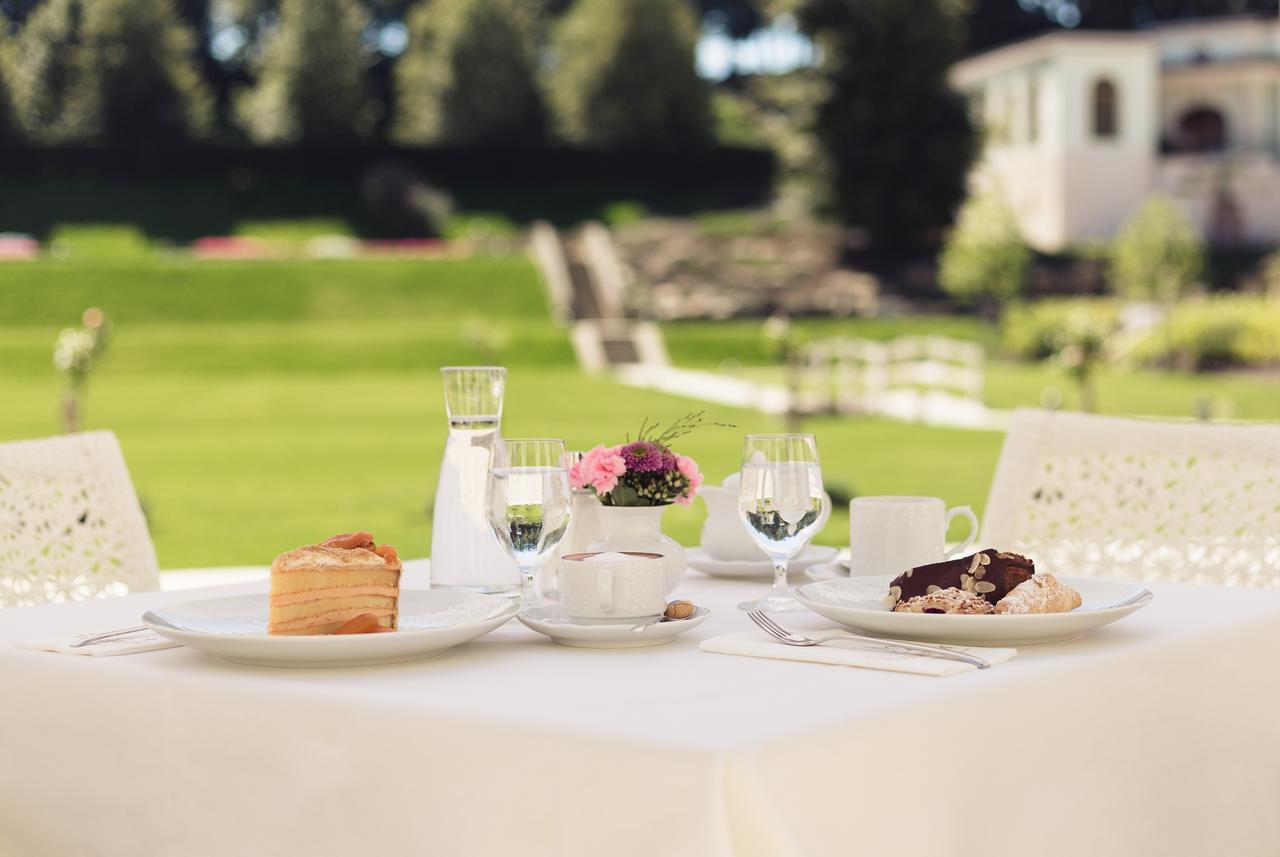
x=1156, y=735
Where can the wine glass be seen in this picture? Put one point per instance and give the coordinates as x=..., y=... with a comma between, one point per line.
x=780, y=500
x=528, y=504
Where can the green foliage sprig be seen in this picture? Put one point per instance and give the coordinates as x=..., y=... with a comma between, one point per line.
x=679, y=428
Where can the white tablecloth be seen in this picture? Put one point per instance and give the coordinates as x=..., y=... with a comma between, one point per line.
x=1157, y=735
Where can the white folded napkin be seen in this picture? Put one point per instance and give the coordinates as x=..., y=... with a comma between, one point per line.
x=849, y=653
x=125, y=644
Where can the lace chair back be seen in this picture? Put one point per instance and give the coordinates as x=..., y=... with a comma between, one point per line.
x=1139, y=499
x=70, y=524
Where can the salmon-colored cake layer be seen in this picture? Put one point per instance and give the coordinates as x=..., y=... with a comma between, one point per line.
x=330, y=621
x=302, y=596
x=370, y=603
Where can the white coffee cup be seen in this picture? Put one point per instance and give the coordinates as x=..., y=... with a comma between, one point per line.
x=888, y=535
x=609, y=586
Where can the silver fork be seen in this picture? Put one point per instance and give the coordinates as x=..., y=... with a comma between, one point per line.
x=107, y=635
x=791, y=638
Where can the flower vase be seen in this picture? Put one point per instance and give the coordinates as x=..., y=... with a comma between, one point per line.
x=584, y=530
x=639, y=528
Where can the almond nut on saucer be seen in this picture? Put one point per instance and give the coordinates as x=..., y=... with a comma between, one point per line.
x=680, y=610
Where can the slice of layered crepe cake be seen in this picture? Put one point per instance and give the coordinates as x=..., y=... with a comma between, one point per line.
x=317, y=588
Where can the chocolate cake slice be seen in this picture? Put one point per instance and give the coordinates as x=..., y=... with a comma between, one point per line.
x=990, y=574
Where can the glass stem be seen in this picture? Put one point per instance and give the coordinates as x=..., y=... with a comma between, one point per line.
x=779, y=578
x=528, y=587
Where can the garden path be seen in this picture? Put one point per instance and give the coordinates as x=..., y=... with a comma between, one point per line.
x=929, y=407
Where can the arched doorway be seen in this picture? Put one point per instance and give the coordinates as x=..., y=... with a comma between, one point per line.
x=1202, y=129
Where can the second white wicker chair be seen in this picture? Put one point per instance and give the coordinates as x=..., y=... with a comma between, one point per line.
x=70, y=524
x=1139, y=499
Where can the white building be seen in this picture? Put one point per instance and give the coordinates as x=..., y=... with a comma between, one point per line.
x=1082, y=126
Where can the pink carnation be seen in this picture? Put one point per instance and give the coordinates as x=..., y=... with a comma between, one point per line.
x=578, y=475
x=689, y=469
x=599, y=469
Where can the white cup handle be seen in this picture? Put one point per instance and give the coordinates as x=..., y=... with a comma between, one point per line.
x=964, y=546
x=605, y=590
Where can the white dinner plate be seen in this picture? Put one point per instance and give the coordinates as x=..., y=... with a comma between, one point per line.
x=751, y=569
x=552, y=621
x=234, y=628
x=858, y=603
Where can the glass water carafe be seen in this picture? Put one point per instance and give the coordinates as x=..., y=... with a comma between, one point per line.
x=464, y=551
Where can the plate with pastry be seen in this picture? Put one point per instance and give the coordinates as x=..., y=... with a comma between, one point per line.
x=336, y=603
x=990, y=598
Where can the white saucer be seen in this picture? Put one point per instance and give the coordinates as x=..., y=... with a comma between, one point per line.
x=858, y=603
x=561, y=629
x=827, y=571
x=752, y=569
x=234, y=628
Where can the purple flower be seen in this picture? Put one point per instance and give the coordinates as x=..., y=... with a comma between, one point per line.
x=645, y=457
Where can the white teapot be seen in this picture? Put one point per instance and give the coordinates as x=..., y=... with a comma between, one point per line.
x=724, y=536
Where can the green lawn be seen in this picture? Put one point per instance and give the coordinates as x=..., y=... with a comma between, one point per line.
x=264, y=405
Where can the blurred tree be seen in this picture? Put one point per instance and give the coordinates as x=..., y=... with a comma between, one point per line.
x=219, y=66
x=1081, y=350
x=38, y=66
x=134, y=78
x=777, y=110
x=624, y=75
x=18, y=10
x=469, y=75
x=737, y=18
x=1271, y=275
x=985, y=259
x=1157, y=254
x=8, y=123
x=897, y=139
x=313, y=83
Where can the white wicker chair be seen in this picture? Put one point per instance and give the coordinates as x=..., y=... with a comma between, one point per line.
x=1139, y=499
x=70, y=524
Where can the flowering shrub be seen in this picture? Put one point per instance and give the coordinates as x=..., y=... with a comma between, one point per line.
x=1219, y=332
x=75, y=353
x=643, y=472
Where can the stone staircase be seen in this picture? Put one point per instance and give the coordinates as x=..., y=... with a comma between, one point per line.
x=586, y=284
x=618, y=351
x=585, y=305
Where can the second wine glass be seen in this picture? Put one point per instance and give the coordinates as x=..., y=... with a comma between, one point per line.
x=780, y=502
x=528, y=504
